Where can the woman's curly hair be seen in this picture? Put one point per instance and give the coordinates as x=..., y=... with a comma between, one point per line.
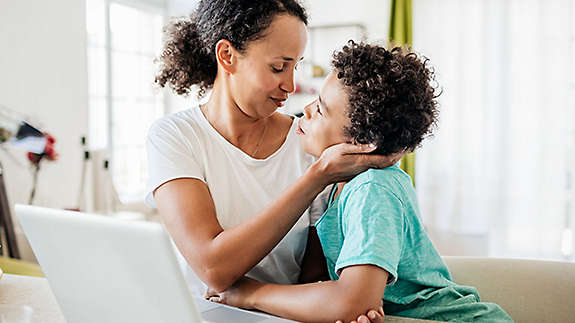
x=188, y=56
x=392, y=96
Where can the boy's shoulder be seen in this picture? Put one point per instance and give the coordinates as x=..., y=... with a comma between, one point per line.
x=389, y=178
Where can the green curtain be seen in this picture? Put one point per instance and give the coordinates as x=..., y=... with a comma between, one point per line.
x=400, y=33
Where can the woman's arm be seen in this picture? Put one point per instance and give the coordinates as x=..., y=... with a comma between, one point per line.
x=359, y=289
x=221, y=257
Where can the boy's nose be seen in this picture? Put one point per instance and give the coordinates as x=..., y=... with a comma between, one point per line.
x=306, y=112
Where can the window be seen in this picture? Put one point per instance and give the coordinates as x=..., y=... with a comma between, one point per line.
x=123, y=40
x=567, y=241
x=501, y=162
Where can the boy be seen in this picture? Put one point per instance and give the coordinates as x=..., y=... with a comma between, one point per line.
x=371, y=233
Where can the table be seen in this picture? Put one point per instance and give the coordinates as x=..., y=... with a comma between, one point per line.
x=36, y=293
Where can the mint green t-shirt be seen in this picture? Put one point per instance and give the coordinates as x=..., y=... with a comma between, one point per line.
x=375, y=220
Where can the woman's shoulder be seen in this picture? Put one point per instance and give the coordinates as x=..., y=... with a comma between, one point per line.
x=189, y=116
x=177, y=123
x=179, y=130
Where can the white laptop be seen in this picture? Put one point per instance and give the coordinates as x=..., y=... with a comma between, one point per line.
x=104, y=270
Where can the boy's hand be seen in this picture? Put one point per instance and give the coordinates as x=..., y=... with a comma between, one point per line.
x=239, y=295
x=372, y=316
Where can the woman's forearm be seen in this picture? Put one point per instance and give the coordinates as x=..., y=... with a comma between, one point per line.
x=234, y=251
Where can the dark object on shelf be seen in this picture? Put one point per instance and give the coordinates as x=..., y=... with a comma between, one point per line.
x=81, y=198
x=39, y=145
x=6, y=221
x=26, y=130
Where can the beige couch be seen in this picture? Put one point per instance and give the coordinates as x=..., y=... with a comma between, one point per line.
x=528, y=290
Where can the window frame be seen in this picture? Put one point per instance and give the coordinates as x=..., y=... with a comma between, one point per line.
x=157, y=7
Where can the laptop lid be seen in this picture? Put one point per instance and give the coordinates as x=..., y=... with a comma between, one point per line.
x=106, y=270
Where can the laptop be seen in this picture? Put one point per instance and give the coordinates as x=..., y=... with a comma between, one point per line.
x=104, y=270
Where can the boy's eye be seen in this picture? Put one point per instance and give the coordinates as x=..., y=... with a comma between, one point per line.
x=277, y=69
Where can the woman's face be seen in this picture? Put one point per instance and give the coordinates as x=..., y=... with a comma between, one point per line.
x=324, y=119
x=264, y=75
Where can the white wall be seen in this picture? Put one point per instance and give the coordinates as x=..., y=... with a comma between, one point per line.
x=181, y=7
x=374, y=14
x=43, y=75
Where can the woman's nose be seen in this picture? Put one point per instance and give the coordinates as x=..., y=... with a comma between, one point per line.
x=288, y=82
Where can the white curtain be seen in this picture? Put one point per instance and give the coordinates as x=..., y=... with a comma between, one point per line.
x=501, y=162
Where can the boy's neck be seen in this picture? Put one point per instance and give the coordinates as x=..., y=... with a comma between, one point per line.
x=339, y=188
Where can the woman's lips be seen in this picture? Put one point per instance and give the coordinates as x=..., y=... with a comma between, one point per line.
x=279, y=102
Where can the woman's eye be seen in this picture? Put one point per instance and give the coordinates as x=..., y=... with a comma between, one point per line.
x=277, y=70
x=317, y=108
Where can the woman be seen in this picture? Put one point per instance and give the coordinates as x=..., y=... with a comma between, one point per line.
x=229, y=178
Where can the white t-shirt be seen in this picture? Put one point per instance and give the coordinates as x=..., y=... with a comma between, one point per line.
x=185, y=145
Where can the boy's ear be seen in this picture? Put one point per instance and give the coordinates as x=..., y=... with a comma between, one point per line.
x=226, y=55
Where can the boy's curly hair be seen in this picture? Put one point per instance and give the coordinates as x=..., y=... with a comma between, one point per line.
x=392, y=96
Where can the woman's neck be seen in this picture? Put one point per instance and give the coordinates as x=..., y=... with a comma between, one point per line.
x=229, y=120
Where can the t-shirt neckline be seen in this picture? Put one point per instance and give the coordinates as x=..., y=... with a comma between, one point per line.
x=239, y=151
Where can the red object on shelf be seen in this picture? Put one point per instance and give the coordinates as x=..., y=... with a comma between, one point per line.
x=49, y=151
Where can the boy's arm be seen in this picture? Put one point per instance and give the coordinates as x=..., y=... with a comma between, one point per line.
x=359, y=289
x=314, y=266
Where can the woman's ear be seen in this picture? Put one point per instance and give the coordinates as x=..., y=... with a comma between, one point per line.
x=226, y=55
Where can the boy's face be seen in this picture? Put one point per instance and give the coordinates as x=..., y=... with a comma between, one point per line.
x=324, y=119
